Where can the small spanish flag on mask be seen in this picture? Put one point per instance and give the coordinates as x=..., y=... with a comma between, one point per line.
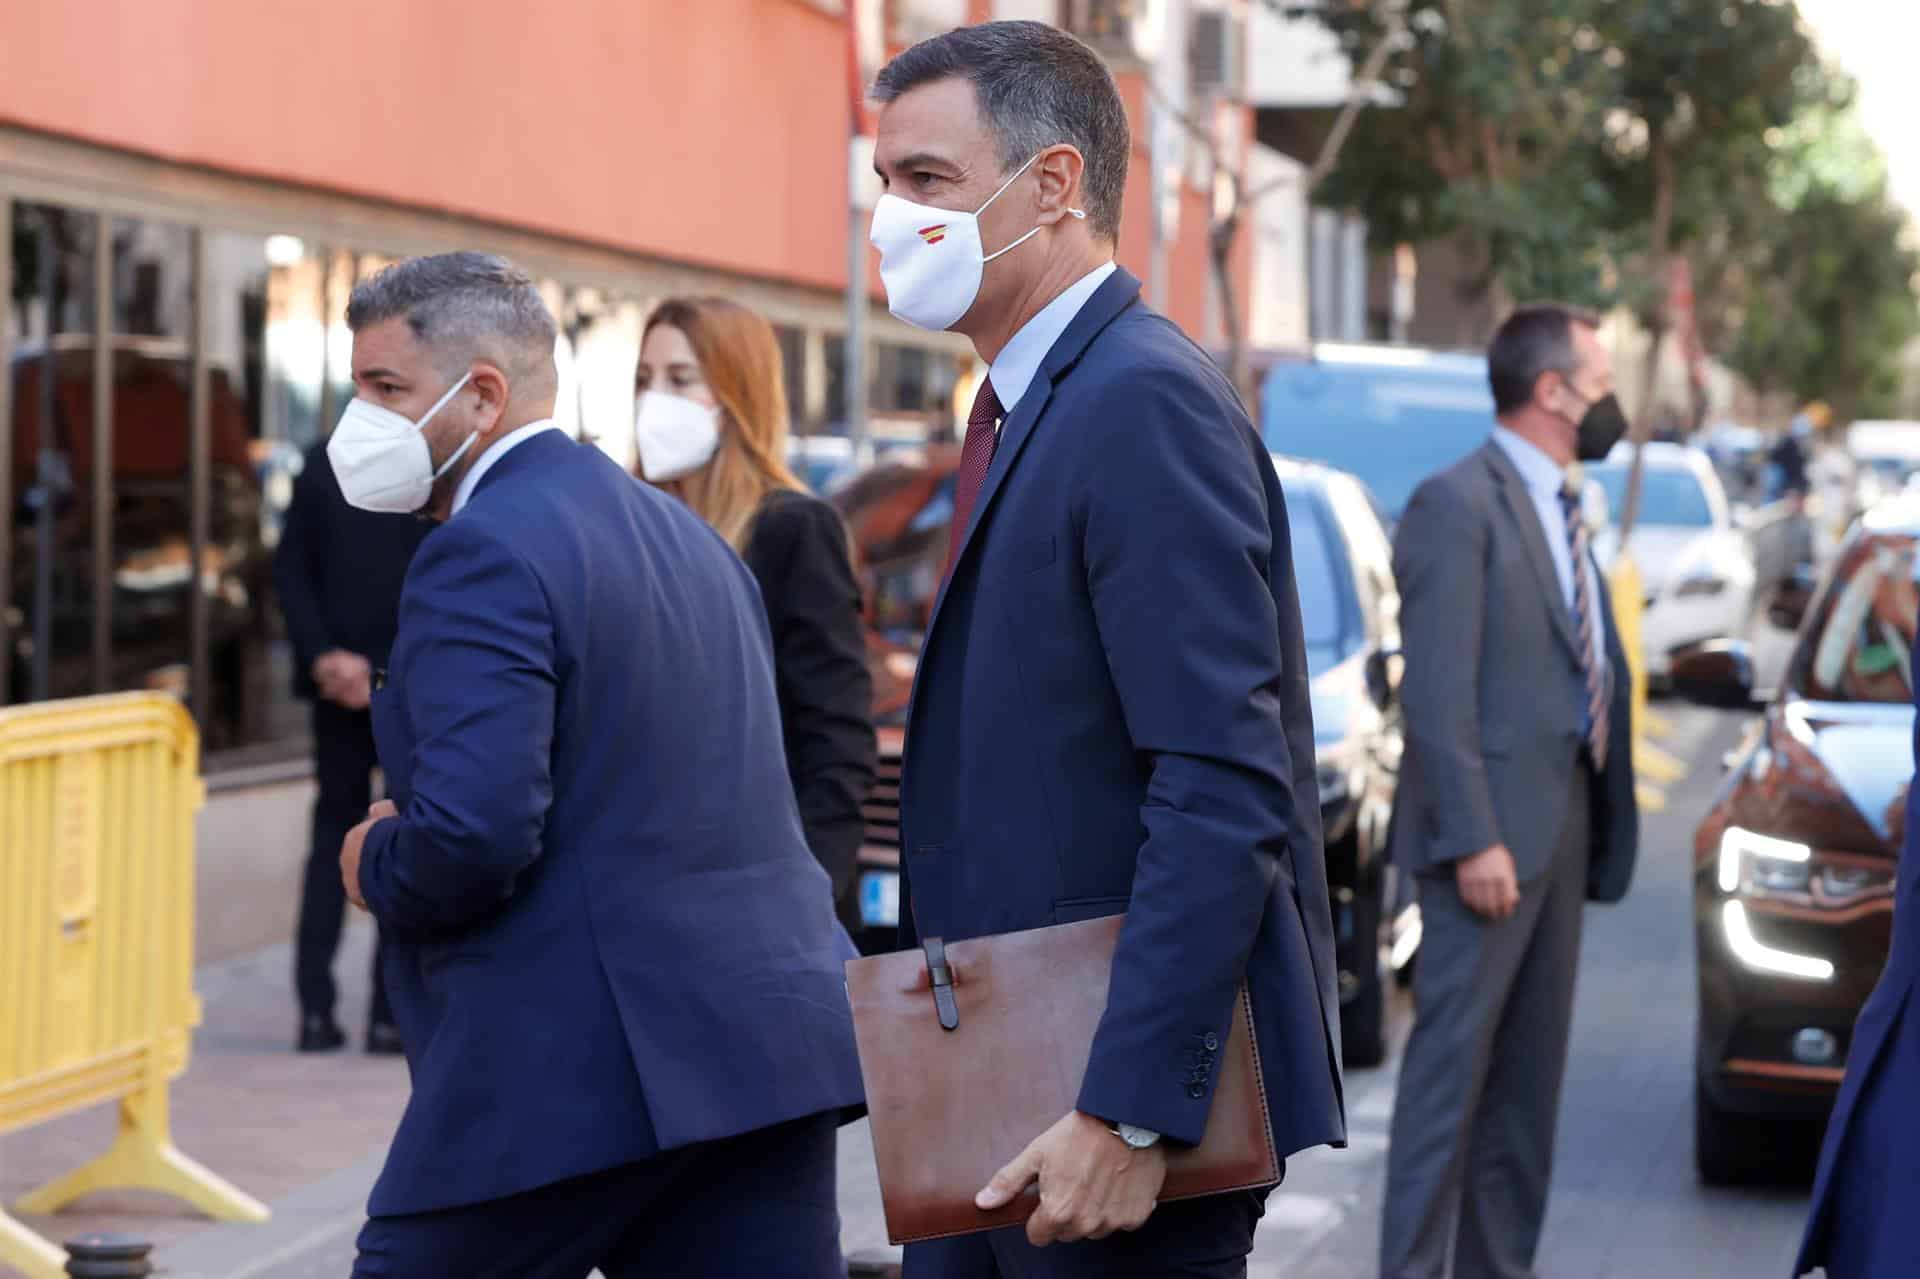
x=933, y=234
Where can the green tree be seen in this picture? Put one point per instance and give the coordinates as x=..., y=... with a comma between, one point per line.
x=1502, y=105
x=1832, y=306
x=1698, y=88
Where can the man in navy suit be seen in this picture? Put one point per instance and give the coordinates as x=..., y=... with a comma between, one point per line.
x=614, y=963
x=1111, y=711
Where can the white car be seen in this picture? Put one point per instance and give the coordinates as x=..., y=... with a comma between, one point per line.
x=1695, y=563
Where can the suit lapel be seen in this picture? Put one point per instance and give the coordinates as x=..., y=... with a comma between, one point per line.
x=1519, y=504
x=1106, y=304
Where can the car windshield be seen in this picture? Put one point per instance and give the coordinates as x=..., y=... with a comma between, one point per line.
x=1864, y=650
x=1668, y=495
x=1317, y=573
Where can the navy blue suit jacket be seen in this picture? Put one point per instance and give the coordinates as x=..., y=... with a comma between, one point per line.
x=607, y=937
x=1866, y=1196
x=1111, y=714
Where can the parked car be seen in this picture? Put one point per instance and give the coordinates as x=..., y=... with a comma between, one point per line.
x=1350, y=609
x=1888, y=454
x=899, y=514
x=1795, y=861
x=1696, y=565
x=1390, y=415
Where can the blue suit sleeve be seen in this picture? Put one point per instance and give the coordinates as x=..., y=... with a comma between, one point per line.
x=478, y=688
x=1178, y=542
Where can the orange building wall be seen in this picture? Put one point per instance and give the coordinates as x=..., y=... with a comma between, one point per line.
x=712, y=131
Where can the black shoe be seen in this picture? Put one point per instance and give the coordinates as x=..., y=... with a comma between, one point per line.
x=320, y=1034
x=383, y=1039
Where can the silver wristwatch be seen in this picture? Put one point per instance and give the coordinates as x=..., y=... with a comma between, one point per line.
x=1136, y=1138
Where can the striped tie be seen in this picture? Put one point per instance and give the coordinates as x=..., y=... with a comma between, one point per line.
x=1585, y=618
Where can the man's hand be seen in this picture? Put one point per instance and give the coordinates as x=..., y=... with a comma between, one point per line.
x=1488, y=883
x=344, y=678
x=1091, y=1182
x=350, y=849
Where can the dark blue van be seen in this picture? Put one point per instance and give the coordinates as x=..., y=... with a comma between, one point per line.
x=1391, y=415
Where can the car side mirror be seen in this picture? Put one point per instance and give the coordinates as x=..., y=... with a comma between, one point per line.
x=1791, y=600
x=1384, y=667
x=1718, y=673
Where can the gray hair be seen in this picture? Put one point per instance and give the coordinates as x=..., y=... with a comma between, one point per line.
x=1037, y=87
x=1535, y=339
x=463, y=307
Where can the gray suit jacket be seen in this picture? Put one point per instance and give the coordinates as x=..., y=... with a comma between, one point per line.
x=1494, y=690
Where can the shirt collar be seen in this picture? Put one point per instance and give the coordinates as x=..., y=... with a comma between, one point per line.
x=1540, y=473
x=495, y=451
x=1013, y=372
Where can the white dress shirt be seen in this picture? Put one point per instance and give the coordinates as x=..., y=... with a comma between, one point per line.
x=1019, y=360
x=495, y=451
x=1545, y=479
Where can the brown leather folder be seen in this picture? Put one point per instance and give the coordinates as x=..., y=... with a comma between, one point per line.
x=971, y=1050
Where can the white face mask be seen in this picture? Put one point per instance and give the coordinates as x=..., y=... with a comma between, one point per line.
x=381, y=458
x=675, y=436
x=931, y=259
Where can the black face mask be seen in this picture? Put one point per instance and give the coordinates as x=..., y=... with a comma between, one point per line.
x=1601, y=427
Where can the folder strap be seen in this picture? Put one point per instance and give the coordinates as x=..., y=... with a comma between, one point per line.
x=941, y=975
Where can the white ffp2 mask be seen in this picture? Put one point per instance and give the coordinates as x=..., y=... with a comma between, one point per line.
x=381, y=458
x=675, y=436
x=931, y=260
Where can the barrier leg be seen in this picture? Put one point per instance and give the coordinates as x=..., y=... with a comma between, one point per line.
x=28, y=1253
x=144, y=1157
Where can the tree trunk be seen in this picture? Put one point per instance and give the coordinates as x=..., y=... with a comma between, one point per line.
x=1220, y=241
x=1660, y=154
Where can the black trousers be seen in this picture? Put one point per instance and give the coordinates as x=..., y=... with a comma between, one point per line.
x=343, y=764
x=757, y=1206
x=1207, y=1238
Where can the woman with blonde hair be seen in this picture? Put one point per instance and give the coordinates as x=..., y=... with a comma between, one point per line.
x=711, y=427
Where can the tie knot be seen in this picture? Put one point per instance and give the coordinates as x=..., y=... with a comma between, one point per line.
x=986, y=405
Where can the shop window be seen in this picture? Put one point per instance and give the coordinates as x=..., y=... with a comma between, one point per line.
x=50, y=600
x=901, y=379
x=793, y=368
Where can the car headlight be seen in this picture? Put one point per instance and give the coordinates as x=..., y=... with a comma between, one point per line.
x=1763, y=863
x=1757, y=955
x=1700, y=586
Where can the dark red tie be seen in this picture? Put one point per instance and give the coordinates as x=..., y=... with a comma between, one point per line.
x=976, y=455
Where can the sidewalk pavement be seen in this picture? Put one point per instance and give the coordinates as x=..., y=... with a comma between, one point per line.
x=305, y=1134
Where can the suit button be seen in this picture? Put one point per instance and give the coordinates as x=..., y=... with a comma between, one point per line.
x=1213, y=1042
x=1196, y=1091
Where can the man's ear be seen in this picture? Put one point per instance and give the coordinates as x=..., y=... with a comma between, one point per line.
x=494, y=389
x=1061, y=169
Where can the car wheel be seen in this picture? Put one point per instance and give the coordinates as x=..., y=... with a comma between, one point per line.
x=1363, y=1018
x=1732, y=1149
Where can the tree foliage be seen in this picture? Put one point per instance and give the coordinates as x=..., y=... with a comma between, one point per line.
x=1580, y=147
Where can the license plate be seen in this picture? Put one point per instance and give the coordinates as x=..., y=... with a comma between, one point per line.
x=880, y=898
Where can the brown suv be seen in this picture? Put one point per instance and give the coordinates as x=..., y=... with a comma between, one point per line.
x=1795, y=861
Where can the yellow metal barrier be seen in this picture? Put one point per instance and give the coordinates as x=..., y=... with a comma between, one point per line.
x=97, y=803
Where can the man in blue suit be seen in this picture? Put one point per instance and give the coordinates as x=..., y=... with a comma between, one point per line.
x=1865, y=1221
x=1111, y=712
x=614, y=963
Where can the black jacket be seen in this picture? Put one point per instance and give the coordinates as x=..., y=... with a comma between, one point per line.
x=338, y=571
x=799, y=553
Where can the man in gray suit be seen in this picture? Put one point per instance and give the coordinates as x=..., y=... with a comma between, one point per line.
x=1516, y=801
